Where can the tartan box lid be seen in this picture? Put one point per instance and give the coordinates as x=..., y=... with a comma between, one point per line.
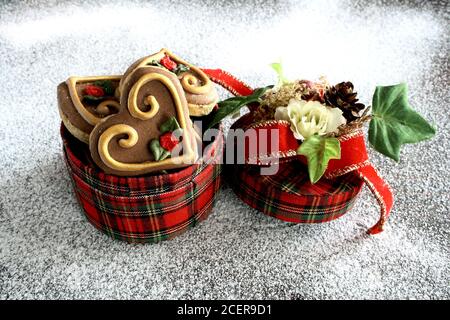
x=148, y=208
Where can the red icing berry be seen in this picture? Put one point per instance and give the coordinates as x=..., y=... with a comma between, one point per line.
x=168, y=141
x=168, y=63
x=95, y=91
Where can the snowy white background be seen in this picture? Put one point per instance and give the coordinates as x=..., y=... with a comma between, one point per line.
x=49, y=250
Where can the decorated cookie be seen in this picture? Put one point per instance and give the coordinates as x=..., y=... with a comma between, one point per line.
x=200, y=92
x=141, y=138
x=84, y=102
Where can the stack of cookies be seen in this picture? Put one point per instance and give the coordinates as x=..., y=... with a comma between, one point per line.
x=139, y=122
x=123, y=135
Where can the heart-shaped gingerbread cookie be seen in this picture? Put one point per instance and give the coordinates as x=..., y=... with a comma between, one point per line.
x=200, y=92
x=85, y=101
x=122, y=143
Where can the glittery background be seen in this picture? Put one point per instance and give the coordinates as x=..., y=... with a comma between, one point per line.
x=49, y=250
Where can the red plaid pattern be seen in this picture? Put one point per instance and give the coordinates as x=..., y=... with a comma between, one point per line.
x=290, y=196
x=143, y=209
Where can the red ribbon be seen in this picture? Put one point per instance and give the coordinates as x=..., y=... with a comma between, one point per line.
x=229, y=82
x=353, y=148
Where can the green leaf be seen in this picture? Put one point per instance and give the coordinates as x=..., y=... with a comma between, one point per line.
x=107, y=86
x=319, y=151
x=156, y=64
x=394, y=122
x=180, y=69
x=169, y=125
x=277, y=66
x=89, y=98
x=165, y=154
x=234, y=104
x=159, y=153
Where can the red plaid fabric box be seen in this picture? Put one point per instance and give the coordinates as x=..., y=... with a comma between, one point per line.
x=289, y=195
x=143, y=209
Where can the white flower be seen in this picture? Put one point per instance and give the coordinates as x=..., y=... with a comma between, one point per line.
x=310, y=117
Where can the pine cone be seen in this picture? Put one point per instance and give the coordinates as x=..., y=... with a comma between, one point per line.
x=342, y=96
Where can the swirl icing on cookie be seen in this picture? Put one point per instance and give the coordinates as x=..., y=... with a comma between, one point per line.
x=200, y=91
x=107, y=107
x=91, y=117
x=120, y=144
x=85, y=101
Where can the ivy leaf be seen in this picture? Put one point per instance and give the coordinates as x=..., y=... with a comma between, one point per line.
x=169, y=125
x=394, y=122
x=319, y=151
x=234, y=104
x=159, y=153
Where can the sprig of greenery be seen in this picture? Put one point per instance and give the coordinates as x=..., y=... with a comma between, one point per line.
x=232, y=105
x=278, y=67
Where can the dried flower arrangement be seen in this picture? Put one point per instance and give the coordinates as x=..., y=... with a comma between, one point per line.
x=319, y=113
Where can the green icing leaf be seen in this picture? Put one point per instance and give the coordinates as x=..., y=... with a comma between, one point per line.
x=277, y=66
x=89, y=98
x=319, y=151
x=107, y=86
x=169, y=125
x=394, y=122
x=180, y=69
x=165, y=154
x=159, y=153
x=156, y=149
x=234, y=104
x=156, y=63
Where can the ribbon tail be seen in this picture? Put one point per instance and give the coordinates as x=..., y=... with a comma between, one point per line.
x=382, y=192
x=229, y=82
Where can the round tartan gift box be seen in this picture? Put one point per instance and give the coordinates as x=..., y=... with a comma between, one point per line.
x=288, y=194
x=149, y=208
